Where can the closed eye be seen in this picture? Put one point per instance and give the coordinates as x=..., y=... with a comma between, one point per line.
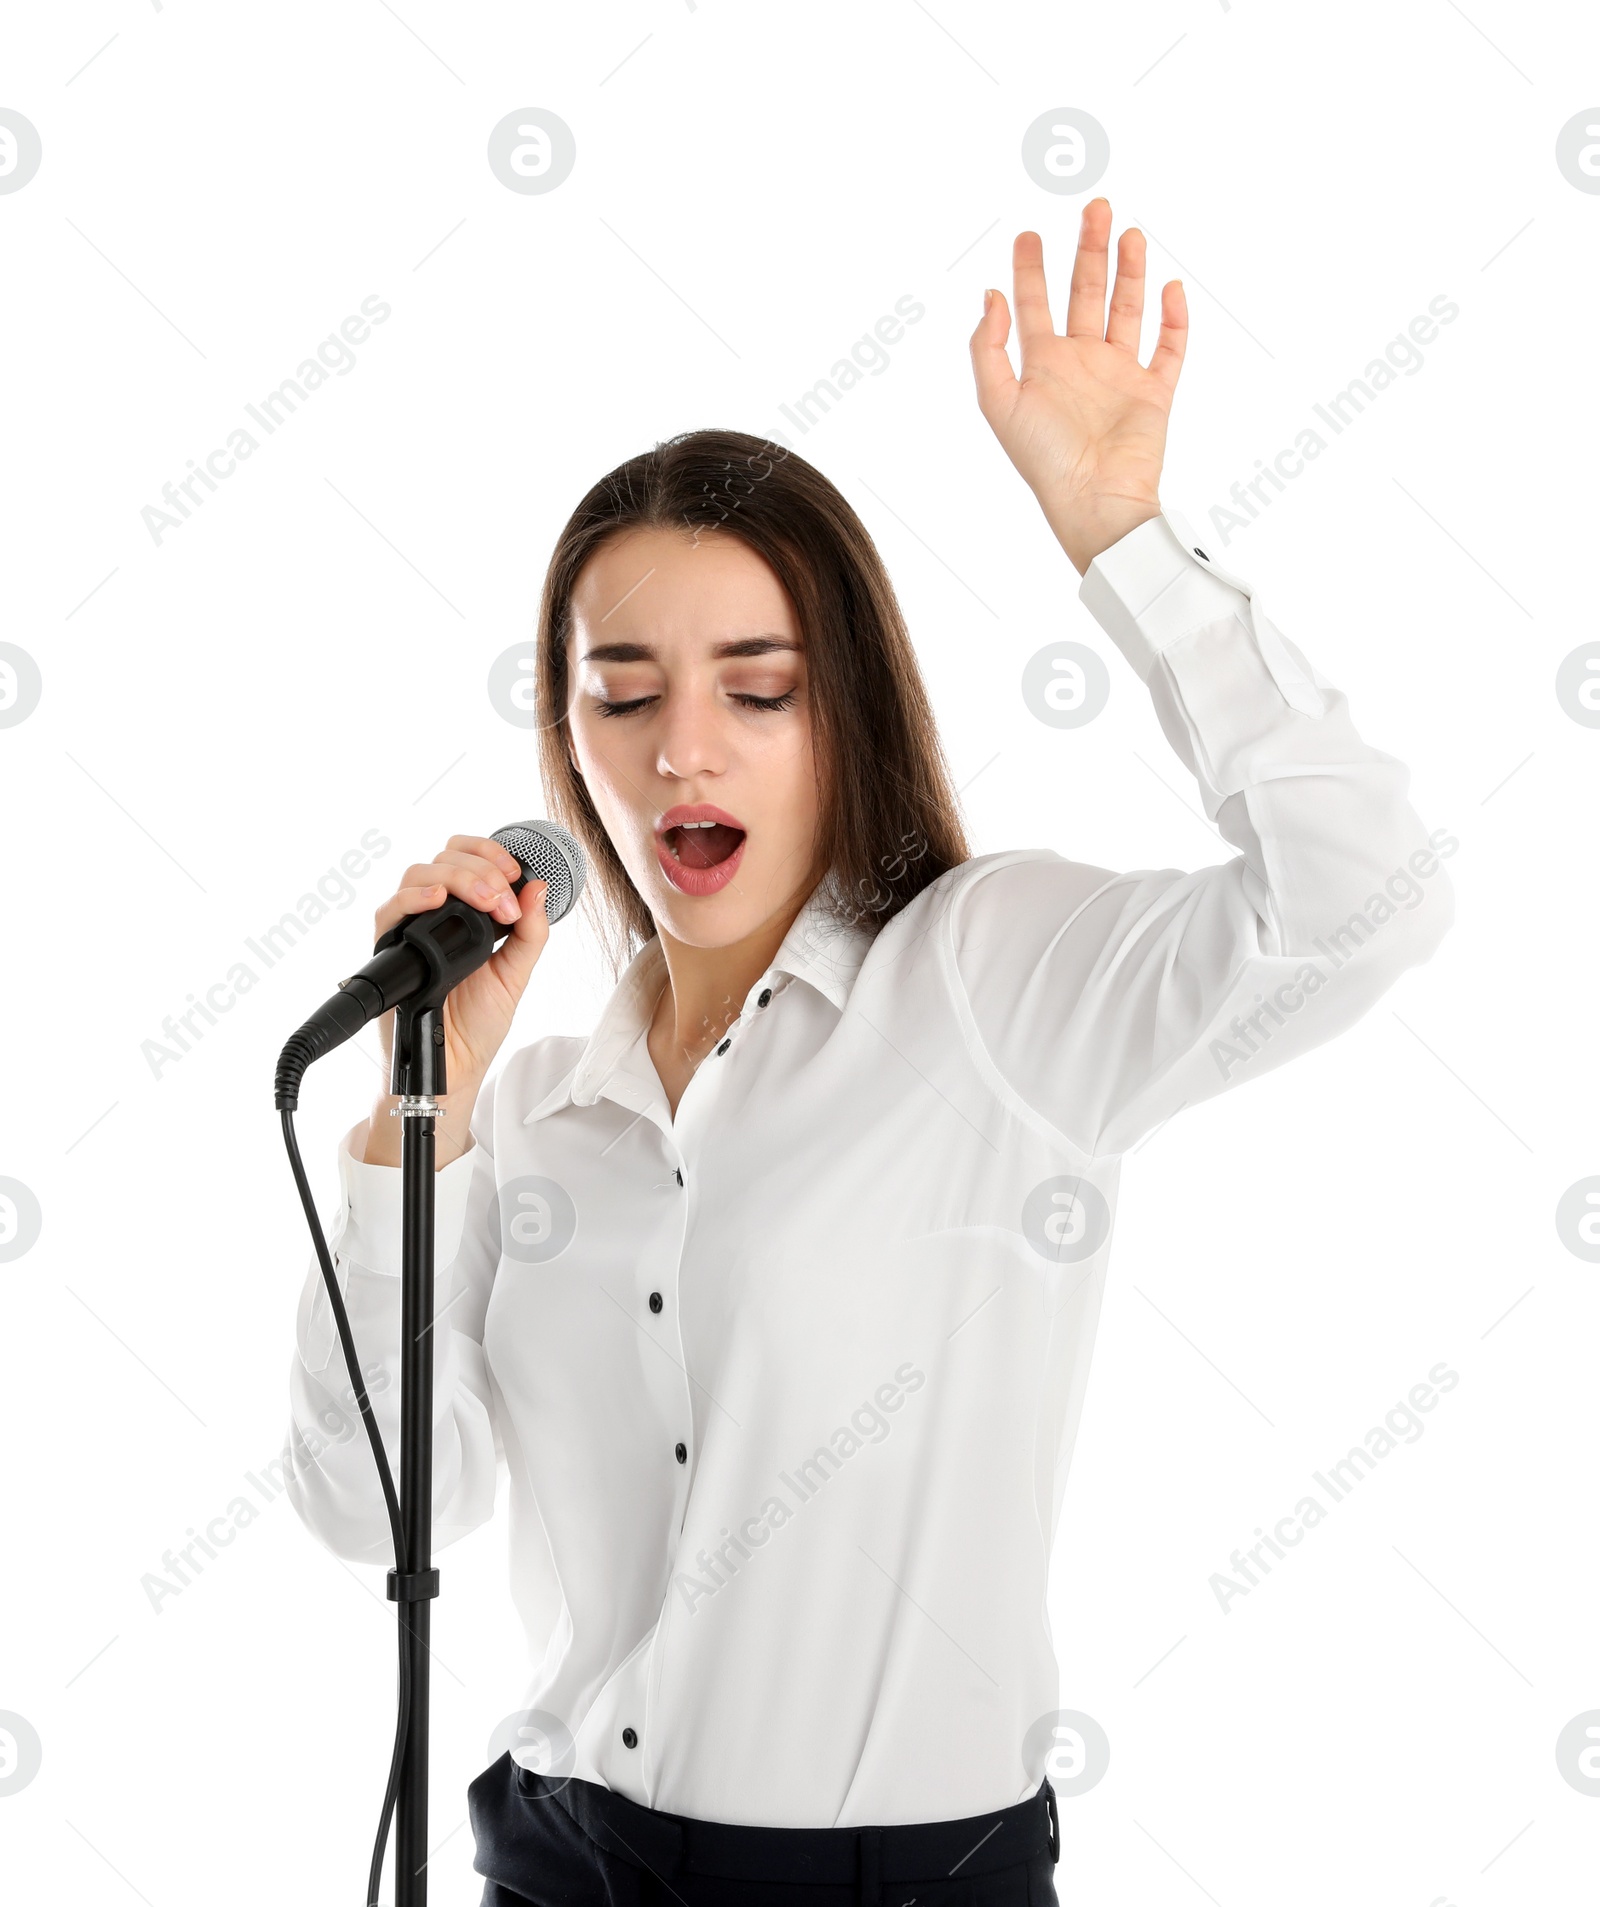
x=769, y=702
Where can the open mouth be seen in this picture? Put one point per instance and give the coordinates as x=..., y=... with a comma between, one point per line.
x=702, y=843
x=699, y=848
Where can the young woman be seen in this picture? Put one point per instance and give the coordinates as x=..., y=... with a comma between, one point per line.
x=776, y=1294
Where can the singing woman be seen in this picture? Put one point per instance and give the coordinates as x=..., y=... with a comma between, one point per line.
x=776, y=1293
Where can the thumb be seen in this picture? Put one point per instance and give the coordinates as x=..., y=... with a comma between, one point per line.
x=514, y=958
x=991, y=368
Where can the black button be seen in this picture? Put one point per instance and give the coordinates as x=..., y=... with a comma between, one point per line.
x=766, y=997
x=655, y=1300
x=681, y=1452
x=678, y=1175
x=1201, y=554
x=629, y=1738
x=724, y=1047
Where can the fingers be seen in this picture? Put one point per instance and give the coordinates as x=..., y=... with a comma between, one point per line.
x=489, y=850
x=407, y=900
x=1027, y=280
x=1127, y=294
x=1166, y=361
x=485, y=883
x=1086, y=304
x=480, y=879
x=1086, y=307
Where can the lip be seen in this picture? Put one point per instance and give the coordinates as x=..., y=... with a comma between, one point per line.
x=698, y=881
x=697, y=811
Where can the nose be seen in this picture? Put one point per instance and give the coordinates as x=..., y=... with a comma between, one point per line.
x=689, y=740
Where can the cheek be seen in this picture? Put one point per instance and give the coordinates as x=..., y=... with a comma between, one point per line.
x=603, y=761
x=790, y=772
x=610, y=792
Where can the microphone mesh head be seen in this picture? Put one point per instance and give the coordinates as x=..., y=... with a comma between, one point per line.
x=547, y=853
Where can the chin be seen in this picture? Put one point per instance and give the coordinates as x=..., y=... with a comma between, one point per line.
x=722, y=918
x=717, y=920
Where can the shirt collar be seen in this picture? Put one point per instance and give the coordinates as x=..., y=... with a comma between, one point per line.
x=825, y=946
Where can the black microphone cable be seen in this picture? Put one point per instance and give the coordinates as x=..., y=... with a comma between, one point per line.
x=548, y=853
x=385, y=1477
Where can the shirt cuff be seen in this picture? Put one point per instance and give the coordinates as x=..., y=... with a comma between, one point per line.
x=1158, y=584
x=370, y=1194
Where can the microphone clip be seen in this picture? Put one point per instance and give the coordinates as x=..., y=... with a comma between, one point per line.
x=454, y=940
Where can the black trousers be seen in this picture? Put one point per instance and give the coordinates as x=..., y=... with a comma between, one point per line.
x=576, y=1844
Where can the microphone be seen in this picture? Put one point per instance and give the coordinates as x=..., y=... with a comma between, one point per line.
x=421, y=958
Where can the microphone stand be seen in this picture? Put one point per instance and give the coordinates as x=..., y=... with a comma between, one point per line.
x=451, y=942
x=418, y=1076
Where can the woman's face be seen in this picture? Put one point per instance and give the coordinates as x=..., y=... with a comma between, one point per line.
x=688, y=705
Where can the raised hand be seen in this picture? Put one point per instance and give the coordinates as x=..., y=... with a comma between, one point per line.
x=1086, y=422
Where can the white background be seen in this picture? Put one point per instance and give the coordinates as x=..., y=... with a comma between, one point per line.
x=226, y=713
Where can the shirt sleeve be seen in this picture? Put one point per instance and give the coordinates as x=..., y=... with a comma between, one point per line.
x=1106, y=1002
x=331, y=1475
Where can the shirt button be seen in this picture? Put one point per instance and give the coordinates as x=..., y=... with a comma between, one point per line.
x=766, y=997
x=681, y=1452
x=629, y=1738
x=655, y=1300
x=1201, y=554
x=724, y=1047
x=678, y=1175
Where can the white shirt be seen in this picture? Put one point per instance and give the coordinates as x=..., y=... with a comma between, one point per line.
x=879, y=1278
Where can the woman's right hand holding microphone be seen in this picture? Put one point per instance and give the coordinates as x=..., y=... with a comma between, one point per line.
x=478, y=1012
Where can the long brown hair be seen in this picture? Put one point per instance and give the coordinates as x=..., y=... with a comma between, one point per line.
x=889, y=824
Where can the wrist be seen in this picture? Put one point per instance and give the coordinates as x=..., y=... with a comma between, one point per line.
x=1086, y=531
x=382, y=1146
x=452, y=1129
x=461, y=1094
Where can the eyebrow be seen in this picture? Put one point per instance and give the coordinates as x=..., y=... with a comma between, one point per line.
x=644, y=652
